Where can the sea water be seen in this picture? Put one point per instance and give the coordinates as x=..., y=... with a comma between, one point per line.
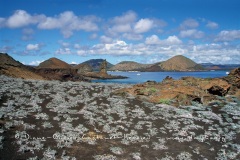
x=140, y=77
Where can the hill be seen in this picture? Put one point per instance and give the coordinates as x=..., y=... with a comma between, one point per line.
x=210, y=66
x=82, y=68
x=54, y=63
x=129, y=66
x=95, y=64
x=176, y=63
x=180, y=63
x=13, y=68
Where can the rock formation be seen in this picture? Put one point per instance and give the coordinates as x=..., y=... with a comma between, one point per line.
x=13, y=68
x=187, y=89
x=83, y=68
x=96, y=63
x=103, y=68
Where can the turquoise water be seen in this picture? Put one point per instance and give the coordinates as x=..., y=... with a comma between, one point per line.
x=140, y=77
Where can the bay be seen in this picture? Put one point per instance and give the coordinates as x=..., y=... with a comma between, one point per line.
x=141, y=77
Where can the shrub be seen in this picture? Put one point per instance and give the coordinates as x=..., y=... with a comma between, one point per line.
x=165, y=101
x=151, y=90
x=116, y=150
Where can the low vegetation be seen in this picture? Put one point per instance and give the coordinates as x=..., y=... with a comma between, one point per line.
x=165, y=101
x=80, y=120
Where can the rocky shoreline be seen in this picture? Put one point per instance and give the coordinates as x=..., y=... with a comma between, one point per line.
x=186, y=90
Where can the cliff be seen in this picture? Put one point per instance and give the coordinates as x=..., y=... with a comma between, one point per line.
x=13, y=68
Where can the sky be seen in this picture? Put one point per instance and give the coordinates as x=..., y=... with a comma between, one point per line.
x=144, y=31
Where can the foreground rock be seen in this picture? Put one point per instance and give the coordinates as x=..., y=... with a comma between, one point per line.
x=186, y=90
x=78, y=120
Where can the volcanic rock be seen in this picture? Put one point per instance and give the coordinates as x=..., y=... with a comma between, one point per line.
x=54, y=63
x=83, y=68
x=13, y=68
x=180, y=92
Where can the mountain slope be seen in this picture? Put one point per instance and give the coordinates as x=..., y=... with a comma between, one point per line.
x=95, y=64
x=129, y=66
x=54, y=63
x=13, y=68
x=82, y=68
x=180, y=63
x=210, y=66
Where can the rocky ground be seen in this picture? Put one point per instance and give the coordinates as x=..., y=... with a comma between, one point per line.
x=80, y=120
x=186, y=90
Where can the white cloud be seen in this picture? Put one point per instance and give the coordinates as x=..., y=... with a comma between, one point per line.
x=127, y=26
x=2, y=22
x=63, y=51
x=28, y=31
x=73, y=62
x=121, y=28
x=121, y=24
x=68, y=22
x=35, y=63
x=171, y=40
x=154, y=49
x=81, y=52
x=143, y=25
x=77, y=46
x=159, y=22
x=191, y=33
x=18, y=19
x=121, y=48
x=153, y=40
x=212, y=25
x=64, y=44
x=228, y=35
x=105, y=39
x=93, y=36
x=117, y=47
x=128, y=17
x=21, y=18
x=189, y=23
x=33, y=47
x=6, y=49
x=217, y=53
x=132, y=36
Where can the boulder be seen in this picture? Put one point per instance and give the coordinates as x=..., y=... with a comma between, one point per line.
x=217, y=86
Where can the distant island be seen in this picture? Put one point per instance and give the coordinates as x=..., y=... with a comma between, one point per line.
x=176, y=63
x=56, y=69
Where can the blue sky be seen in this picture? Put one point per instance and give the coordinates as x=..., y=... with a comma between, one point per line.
x=138, y=30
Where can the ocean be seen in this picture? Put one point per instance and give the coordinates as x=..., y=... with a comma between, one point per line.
x=141, y=77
